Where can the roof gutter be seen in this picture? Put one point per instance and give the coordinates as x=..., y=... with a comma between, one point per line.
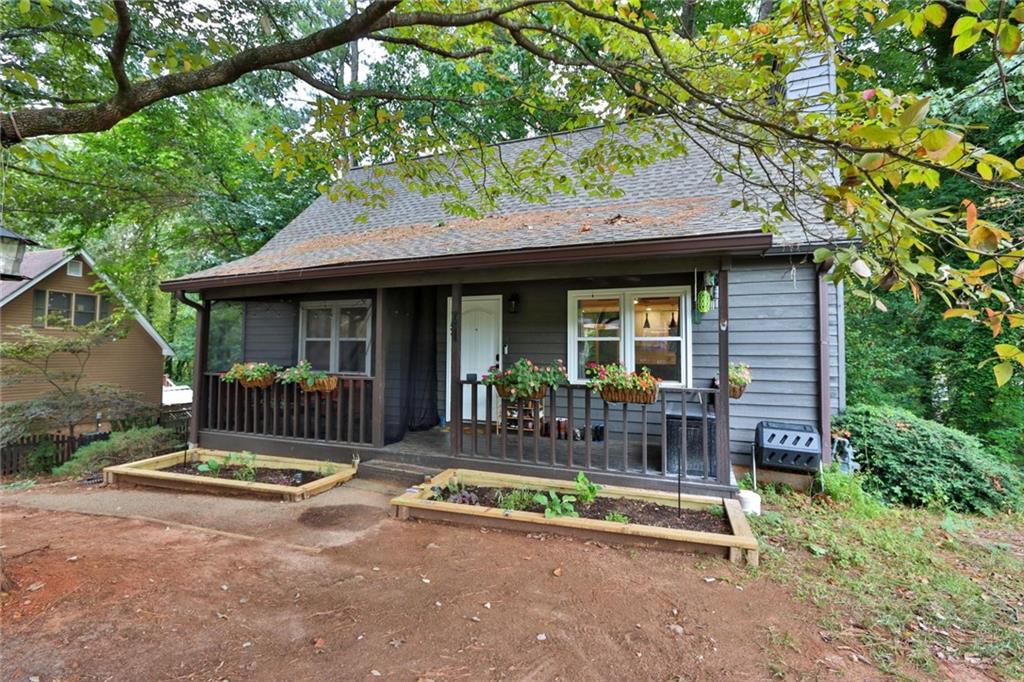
x=749, y=242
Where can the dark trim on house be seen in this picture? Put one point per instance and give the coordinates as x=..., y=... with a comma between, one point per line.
x=198, y=363
x=748, y=242
x=824, y=383
x=724, y=468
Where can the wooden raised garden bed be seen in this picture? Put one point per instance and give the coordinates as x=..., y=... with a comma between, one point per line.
x=733, y=540
x=174, y=471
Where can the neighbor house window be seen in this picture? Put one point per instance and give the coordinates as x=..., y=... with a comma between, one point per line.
x=60, y=308
x=643, y=327
x=335, y=335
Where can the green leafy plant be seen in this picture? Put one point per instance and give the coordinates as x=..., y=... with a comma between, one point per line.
x=246, y=467
x=919, y=462
x=516, y=500
x=121, y=447
x=555, y=505
x=848, y=489
x=211, y=467
x=524, y=378
x=614, y=375
x=454, y=491
x=250, y=371
x=586, y=490
x=739, y=374
x=616, y=517
x=716, y=510
x=42, y=458
x=302, y=373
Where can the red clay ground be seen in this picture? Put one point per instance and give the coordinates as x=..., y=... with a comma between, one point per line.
x=106, y=598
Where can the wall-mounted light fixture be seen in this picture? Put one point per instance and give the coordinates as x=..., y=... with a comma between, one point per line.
x=513, y=304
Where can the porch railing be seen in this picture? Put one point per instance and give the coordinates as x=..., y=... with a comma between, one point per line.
x=342, y=416
x=572, y=427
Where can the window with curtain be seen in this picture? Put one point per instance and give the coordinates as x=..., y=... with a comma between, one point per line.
x=335, y=335
x=639, y=327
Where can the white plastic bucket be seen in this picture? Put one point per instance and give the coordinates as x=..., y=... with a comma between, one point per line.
x=750, y=502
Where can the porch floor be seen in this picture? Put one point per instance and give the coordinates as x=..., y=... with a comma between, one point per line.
x=535, y=449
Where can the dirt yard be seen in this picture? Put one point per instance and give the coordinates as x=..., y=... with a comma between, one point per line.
x=333, y=589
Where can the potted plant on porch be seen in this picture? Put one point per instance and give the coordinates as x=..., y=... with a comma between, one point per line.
x=308, y=379
x=739, y=378
x=524, y=379
x=616, y=385
x=251, y=374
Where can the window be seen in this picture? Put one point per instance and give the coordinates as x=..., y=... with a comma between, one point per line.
x=335, y=336
x=74, y=268
x=646, y=327
x=59, y=308
x=85, y=309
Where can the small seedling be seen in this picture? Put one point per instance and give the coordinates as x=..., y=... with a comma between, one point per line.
x=516, y=500
x=210, y=467
x=555, y=506
x=454, y=491
x=586, y=490
x=616, y=517
x=246, y=470
x=716, y=510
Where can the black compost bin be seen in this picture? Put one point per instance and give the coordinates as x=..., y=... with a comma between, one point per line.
x=786, y=446
x=694, y=444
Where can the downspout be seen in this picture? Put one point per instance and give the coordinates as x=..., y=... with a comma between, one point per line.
x=198, y=363
x=824, y=377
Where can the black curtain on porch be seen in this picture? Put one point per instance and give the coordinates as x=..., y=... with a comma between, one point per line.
x=410, y=341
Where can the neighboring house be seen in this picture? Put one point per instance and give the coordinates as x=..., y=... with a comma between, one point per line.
x=58, y=282
x=579, y=278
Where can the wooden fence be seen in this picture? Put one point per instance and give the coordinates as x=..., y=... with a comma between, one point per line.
x=14, y=457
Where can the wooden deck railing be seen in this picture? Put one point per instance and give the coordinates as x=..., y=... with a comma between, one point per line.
x=342, y=416
x=573, y=427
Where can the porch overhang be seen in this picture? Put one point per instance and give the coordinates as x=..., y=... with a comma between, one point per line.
x=751, y=242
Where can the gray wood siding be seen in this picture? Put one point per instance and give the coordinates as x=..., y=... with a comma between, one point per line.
x=773, y=306
x=271, y=332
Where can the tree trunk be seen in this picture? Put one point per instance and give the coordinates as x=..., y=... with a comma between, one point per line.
x=686, y=17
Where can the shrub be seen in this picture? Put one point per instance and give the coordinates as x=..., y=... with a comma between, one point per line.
x=848, y=489
x=42, y=458
x=919, y=462
x=121, y=447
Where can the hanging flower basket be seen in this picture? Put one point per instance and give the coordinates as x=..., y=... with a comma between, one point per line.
x=322, y=385
x=629, y=395
x=262, y=382
x=506, y=393
x=736, y=391
x=251, y=374
x=616, y=385
x=739, y=378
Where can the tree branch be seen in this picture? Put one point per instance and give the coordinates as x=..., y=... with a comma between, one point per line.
x=117, y=50
x=431, y=48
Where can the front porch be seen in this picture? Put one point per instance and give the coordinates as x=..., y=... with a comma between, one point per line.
x=402, y=407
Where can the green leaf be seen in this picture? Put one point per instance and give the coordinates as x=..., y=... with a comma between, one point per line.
x=821, y=255
x=1009, y=39
x=935, y=14
x=976, y=6
x=1003, y=372
x=98, y=25
x=963, y=24
x=479, y=87
x=1007, y=351
x=25, y=6
x=965, y=41
x=872, y=161
x=915, y=113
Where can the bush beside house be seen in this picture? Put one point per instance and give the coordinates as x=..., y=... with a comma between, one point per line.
x=918, y=462
x=121, y=447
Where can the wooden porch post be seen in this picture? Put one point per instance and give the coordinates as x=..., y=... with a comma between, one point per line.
x=199, y=370
x=455, y=362
x=379, y=367
x=724, y=465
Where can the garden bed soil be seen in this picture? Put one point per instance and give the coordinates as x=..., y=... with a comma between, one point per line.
x=637, y=511
x=711, y=525
x=289, y=477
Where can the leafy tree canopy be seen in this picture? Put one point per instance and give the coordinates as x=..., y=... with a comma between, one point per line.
x=71, y=67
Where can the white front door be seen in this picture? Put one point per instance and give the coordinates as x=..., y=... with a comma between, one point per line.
x=481, y=348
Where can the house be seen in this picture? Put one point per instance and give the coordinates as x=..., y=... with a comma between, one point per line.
x=57, y=282
x=409, y=307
